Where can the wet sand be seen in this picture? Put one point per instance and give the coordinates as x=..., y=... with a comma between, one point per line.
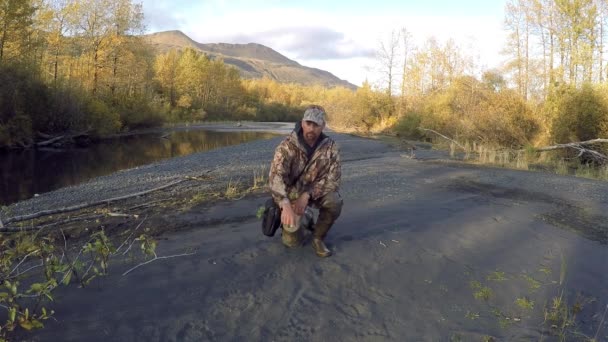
x=417, y=242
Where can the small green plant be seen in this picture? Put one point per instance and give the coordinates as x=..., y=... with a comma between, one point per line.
x=232, y=189
x=46, y=264
x=480, y=291
x=497, y=276
x=259, y=179
x=524, y=303
x=533, y=284
x=147, y=244
x=260, y=213
x=198, y=198
x=100, y=249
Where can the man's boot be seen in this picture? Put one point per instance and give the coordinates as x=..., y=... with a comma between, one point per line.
x=291, y=239
x=320, y=249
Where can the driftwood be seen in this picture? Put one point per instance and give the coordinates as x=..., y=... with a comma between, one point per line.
x=443, y=136
x=50, y=141
x=60, y=139
x=10, y=229
x=580, y=147
x=88, y=204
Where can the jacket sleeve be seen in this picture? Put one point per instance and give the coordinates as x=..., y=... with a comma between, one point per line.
x=329, y=180
x=279, y=172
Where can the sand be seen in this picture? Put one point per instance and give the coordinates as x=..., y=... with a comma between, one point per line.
x=418, y=240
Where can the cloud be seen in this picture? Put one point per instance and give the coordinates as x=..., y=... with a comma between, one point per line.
x=162, y=15
x=320, y=43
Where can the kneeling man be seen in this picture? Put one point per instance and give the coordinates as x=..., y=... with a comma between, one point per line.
x=306, y=171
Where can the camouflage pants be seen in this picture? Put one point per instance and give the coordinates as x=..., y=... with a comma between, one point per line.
x=330, y=207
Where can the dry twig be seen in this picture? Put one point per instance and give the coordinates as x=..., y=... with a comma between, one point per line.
x=443, y=136
x=90, y=204
x=156, y=258
x=579, y=146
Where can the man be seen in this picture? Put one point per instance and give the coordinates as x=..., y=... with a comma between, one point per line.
x=306, y=171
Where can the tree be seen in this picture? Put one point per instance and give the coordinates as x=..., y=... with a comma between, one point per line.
x=388, y=59
x=16, y=21
x=407, y=46
x=518, y=21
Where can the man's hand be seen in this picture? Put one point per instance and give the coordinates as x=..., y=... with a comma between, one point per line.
x=288, y=216
x=301, y=203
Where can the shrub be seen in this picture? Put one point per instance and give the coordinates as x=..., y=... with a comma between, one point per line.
x=17, y=131
x=579, y=115
x=138, y=113
x=101, y=118
x=408, y=125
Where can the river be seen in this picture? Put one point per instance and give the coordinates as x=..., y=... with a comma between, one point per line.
x=26, y=173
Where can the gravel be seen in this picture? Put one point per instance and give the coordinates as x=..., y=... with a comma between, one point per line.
x=364, y=161
x=233, y=163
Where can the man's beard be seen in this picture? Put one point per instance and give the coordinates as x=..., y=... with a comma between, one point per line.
x=311, y=137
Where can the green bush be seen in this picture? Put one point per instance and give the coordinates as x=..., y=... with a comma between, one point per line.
x=23, y=103
x=101, y=118
x=408, y=125
x=138, y=113
x=17, y=131
x=506, y=120
x=579, y=114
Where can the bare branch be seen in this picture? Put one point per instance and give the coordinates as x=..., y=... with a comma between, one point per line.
x=22, y=261
x=128, y=237
x=157, y=258
x=578, y=146
x=85, y=205
x=443, y=136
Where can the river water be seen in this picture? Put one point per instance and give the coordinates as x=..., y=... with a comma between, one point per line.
x=26, y=173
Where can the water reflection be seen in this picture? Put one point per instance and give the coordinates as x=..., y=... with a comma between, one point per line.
x=25, y=173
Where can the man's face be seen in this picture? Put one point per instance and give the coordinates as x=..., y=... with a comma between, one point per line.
x=311, y=131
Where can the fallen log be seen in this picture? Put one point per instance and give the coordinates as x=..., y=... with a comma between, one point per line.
x=443, y=136
x=60, y=139
x=50, y=141
x=582, y=150
x=88, y=204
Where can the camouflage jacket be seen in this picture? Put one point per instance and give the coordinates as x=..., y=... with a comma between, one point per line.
x=319, y=176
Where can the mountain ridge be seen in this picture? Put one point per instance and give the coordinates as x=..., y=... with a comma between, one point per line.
x=253, y=60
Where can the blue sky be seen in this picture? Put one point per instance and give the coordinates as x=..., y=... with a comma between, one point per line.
x=335, y=35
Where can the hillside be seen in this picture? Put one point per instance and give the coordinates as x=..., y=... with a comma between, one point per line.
x=252, y=60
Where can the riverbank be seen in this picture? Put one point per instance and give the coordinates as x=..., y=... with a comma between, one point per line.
x=425, y=249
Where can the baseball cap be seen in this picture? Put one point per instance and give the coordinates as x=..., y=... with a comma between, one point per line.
x=315, y=114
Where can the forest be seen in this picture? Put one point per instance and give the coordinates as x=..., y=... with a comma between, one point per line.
x=82, y=68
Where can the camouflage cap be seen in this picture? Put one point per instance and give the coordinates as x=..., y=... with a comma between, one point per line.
x=315, y=114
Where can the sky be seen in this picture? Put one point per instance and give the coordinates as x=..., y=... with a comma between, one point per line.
x=338, y=36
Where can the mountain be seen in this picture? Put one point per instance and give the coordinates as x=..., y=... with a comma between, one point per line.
x=252, y=60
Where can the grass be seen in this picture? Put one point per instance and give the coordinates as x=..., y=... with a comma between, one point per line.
x=558, y=316
x=232, y=189
x=480, y=291
x=527, y=159
x=497, y=276
x=259, y=178
x=524, y=303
